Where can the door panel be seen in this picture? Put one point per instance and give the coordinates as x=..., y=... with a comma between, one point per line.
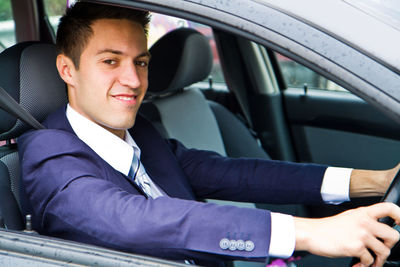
x=340, y=129
x=347, y=149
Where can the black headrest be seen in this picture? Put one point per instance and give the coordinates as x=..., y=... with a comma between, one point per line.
x=29, y=74
x=179, y=59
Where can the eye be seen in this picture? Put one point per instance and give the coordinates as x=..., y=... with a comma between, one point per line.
x=110, y=61
x=141, y=63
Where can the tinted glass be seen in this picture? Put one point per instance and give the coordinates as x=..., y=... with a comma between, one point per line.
x=54, y=9
x=297, y=75
x=7, y=25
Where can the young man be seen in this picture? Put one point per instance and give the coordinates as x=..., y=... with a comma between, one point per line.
x=106, y=177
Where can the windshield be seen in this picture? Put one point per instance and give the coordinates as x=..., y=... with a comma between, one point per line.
x=387, y=11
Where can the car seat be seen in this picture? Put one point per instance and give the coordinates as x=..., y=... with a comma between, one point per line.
x=181, y=58
x=29, y=76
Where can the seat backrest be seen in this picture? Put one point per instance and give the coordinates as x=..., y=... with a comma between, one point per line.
x=10, y=213
x=238, y=140
x=181, y=58
x=29, y=75
x=196, y=127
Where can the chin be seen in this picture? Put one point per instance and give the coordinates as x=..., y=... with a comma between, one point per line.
x=119, y=126
x=125, y=122
x=127, y=126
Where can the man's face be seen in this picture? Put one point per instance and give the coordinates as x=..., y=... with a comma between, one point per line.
x=111, y=81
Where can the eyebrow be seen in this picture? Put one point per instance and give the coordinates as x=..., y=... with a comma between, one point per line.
x=144, y=54
x=107, y=50
x=118, y=52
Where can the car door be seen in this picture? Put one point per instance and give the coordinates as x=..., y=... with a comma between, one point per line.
x=298, y=110
x=330, y=125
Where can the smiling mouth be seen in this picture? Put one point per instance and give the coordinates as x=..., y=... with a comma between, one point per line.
x=129, y=99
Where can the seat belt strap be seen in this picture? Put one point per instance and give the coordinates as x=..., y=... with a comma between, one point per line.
x=8, y=104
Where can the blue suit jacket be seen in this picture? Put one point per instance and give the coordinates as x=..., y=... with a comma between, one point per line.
x=76, y=195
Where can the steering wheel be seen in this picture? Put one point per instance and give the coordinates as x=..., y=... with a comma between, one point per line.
x=392, y=195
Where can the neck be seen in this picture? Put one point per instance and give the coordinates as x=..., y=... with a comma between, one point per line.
x=117, y=132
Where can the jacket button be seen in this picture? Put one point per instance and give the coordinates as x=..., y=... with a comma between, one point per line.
x=240, y=245
x=224, y=243
x=249, y=245
x=232, y=246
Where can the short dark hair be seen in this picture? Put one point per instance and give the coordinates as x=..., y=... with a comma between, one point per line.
x=74, y=29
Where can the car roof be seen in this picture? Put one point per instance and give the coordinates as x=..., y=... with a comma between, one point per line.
x=354, y=24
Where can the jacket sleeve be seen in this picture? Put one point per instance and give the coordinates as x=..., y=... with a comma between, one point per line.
x=250, y=180
x=72, y=199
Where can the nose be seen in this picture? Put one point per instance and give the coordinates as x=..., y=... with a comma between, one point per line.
x=129, y=76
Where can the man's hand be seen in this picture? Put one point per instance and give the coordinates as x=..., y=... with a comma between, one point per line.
x=354, y=233
x=365, y=183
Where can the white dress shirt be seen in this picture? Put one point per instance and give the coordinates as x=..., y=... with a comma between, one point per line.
x=119, y=154
x=112, y=149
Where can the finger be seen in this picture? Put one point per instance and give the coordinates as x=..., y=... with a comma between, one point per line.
x=384, y=209
x=386, y=233
x=379, y=249
x=379, y=262
x=366, y=258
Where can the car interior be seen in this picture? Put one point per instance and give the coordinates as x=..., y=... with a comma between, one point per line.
x=257, y=117
x=216, y=128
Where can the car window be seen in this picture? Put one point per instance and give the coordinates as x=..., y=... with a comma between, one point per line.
x=296, y=75
x=54, y=10
x=162, y=24
x=7, y=25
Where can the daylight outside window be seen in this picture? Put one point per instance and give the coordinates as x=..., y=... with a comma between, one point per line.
x=7, y=25
x=296, y=75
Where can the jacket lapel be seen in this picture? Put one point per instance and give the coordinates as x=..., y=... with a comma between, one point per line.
x=159, y=161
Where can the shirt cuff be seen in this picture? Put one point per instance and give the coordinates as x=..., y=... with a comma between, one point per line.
x=283, y=239
x=336, y=185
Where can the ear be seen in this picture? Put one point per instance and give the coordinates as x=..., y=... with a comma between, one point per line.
x=66, y=69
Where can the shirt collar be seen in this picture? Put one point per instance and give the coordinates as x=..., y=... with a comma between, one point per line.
x=115, y=151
